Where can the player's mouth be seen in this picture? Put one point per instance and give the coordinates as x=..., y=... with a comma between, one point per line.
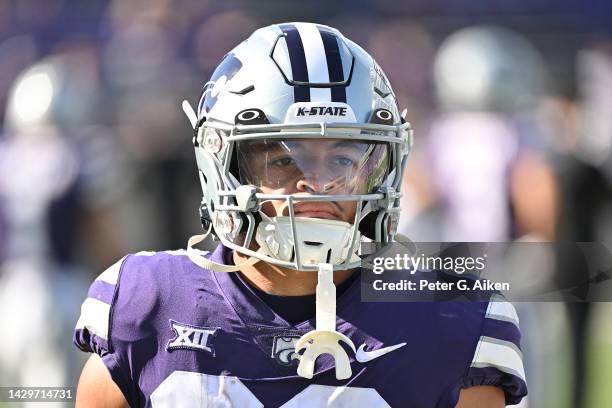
x=316, y=214
x=315, y=210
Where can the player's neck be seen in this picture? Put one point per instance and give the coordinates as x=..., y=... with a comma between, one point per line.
x=282, y=281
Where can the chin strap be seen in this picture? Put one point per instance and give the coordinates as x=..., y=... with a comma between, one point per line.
x=196, y=258
x=325, y=339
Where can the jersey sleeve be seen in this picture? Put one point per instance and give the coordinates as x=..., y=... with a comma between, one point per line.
x=93, y=331
x=498, y=359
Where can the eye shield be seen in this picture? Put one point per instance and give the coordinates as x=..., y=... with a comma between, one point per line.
x=317, y=166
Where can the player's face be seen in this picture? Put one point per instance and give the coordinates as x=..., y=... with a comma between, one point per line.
x=311, y=166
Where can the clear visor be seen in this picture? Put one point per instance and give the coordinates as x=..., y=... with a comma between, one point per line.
x=315, y=166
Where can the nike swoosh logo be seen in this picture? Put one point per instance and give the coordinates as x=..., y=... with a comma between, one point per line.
x=364, y=356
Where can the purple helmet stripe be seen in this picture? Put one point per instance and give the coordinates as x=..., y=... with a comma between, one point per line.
x=297, y=58
x=334, y=64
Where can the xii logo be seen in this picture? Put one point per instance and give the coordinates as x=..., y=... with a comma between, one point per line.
x=191, y=337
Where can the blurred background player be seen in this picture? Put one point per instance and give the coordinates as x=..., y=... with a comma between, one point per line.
x=60, y=175
x=487, y=174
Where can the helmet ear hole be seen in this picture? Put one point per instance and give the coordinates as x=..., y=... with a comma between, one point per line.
x=234, y=168
x=367, y=226
x=205, y=217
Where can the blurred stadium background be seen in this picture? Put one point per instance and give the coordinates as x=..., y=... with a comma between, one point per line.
x=511, y=103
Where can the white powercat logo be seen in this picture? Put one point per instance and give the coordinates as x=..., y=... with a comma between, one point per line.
x=283, y=350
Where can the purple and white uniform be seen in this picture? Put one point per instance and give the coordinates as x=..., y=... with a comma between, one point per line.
x=174, y=335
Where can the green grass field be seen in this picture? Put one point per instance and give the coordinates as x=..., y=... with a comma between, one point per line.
x=557, y=373
x=599, y=376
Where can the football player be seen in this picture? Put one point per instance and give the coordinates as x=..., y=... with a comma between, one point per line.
x=300, y=148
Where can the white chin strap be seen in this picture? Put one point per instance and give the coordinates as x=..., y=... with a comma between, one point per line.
x=196, y=258
x=275, y=237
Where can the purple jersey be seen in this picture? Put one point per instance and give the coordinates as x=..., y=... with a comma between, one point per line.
x=174, y=335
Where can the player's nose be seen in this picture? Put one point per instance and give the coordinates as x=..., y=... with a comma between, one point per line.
x=308, y=183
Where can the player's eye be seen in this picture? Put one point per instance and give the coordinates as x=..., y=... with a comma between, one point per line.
x=282, y=161
x=343, y=161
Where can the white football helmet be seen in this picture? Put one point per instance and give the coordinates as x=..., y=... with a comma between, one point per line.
x=279, y=94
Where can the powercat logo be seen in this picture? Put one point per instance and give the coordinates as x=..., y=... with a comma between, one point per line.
x=322, y=110
x=283, y=350
x=309, y=112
